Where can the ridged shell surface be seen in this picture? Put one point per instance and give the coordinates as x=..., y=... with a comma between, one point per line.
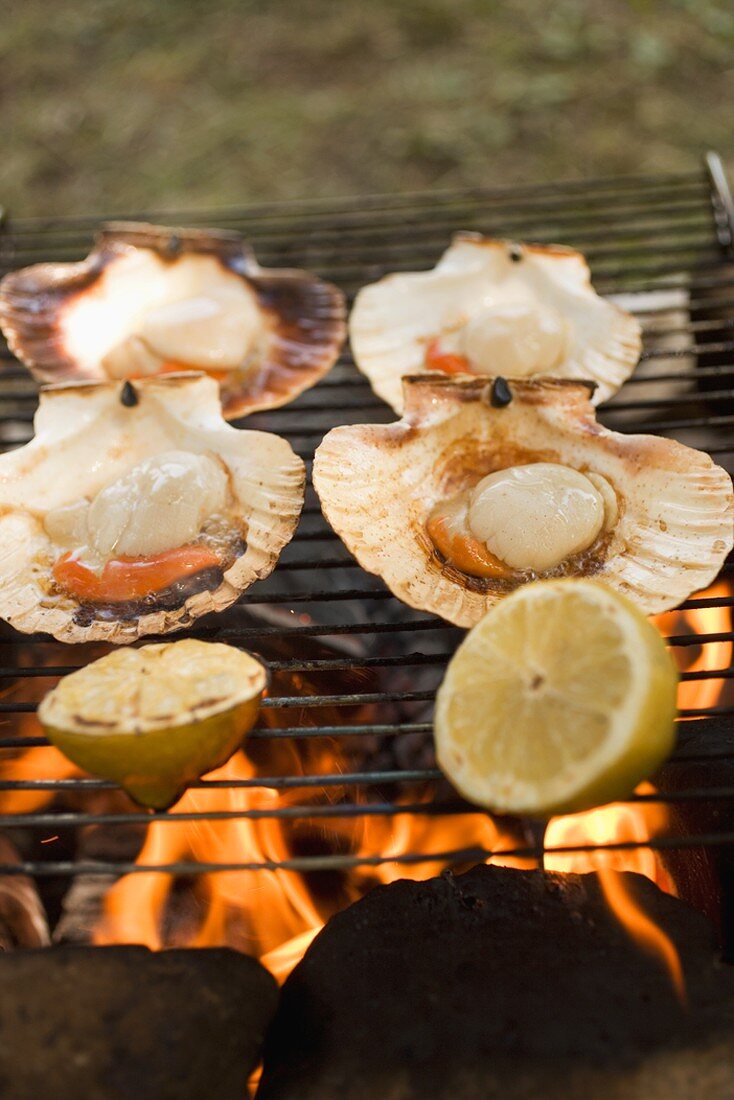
x=379, y=483
x=67, y=321
x=87, y=435
x=394, y=320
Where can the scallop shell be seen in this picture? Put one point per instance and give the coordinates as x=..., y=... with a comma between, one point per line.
x=61, y=319
x=88, y=435
x=378, y=484
x=394, y=320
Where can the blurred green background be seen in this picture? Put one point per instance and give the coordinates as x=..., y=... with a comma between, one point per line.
x=110, y=106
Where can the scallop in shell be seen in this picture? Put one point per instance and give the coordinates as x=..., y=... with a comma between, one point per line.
x=486, y=484
x=493, y=307
x=148, y=300
x=136, y=509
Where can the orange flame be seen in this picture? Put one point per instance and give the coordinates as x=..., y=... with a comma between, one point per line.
x=271, y=913
x=275, y=914
x=700, y=693
x=620, y=823
x=642, y=928
x=33, y=764
x=639, y=822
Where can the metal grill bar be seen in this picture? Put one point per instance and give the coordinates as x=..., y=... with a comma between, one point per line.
x=365, y=698
x=274, y=782
x=306, y=864
x=333, y=665
x=680, y=756
x=316, y=813
x=416, y=204
x=250, y=634
x=694, y=242
x=245, y=634
x=662, y=242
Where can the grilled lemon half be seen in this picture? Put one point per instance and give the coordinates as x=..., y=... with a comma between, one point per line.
x=561, y=698
x=154, y=719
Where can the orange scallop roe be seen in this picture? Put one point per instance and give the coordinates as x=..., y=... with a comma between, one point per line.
x=130, y=578
x=462, y=550
x=449, y=363
x=170, y=366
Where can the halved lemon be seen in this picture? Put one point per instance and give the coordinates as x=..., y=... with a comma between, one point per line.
x=562, y=698
x=154, y=719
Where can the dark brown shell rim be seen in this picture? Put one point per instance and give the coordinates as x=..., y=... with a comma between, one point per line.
x=307, y=314
x=171, y=241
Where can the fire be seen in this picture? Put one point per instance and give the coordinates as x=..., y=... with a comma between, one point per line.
x=275, y=907
x=700, y=690
x=33, y=764
x=274, y=913
x=281, y=961
x=620, y=823
x=643, y=929
x=638, y=822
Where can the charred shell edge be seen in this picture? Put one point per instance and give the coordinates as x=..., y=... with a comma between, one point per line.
x=30, y=300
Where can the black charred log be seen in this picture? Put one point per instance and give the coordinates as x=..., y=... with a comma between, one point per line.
x=501, y=983
x=123, y=1023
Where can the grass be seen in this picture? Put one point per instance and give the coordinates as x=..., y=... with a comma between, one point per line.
x=179, y=103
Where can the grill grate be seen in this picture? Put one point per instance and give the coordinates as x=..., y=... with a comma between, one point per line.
x=660, y=243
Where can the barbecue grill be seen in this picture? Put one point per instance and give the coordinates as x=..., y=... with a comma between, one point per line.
x=664, y=244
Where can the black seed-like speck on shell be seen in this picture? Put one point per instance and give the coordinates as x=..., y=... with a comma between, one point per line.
x=515, y=253
x=129, y=395
x=500, y=394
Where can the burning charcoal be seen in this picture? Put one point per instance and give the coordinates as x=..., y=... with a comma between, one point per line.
x=83, y=904
x=123, y=1023
x=22, y=916
x=501, y=983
